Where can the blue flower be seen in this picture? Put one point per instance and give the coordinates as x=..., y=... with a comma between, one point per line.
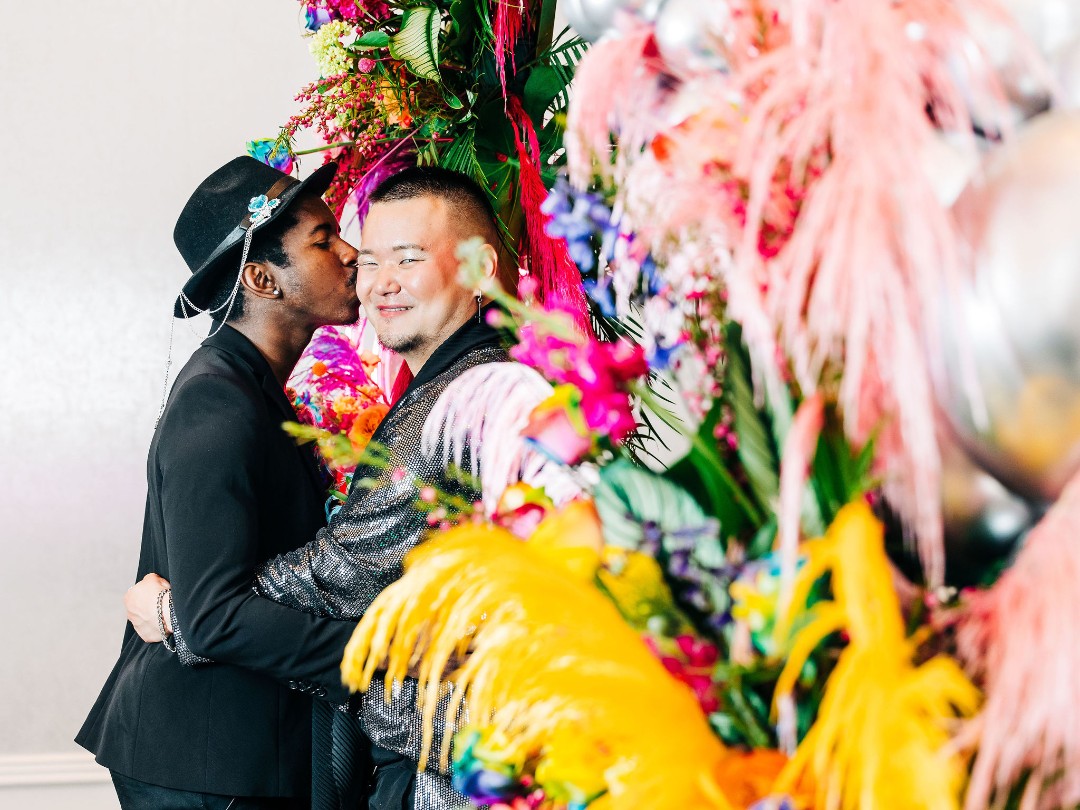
x=600, y=292
x=315, y=18
x=263, y=149
x=485, y=786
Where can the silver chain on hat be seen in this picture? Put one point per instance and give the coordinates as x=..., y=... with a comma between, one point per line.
x=260, y=209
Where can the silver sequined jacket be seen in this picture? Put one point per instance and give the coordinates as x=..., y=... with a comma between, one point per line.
x=361, y=551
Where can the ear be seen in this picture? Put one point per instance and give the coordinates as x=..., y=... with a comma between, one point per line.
x=258, y=280
x=490, y=258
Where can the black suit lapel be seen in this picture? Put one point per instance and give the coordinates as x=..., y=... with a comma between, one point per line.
x=235, y=343
x=280, y=402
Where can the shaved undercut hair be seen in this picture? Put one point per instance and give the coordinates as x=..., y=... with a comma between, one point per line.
x=465, y=197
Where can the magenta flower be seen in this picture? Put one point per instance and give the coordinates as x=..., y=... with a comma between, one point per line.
x=600, y=371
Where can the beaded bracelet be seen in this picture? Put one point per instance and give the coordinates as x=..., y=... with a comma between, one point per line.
x=166, y=637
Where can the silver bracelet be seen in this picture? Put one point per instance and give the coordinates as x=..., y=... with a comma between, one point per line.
x=166, y=638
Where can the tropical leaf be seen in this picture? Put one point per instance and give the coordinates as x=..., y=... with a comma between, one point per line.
x=704, y=473
x=417, y=43
x=556, y=67
x=634, y=502
x=756, y=451
x=370, y=40
x=460, y=157
x=839, y=475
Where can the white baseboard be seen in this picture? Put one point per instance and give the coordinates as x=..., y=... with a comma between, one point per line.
x=28, y=770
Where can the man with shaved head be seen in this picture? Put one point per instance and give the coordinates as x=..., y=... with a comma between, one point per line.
x=407, y=283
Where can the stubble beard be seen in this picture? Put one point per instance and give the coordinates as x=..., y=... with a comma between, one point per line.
x=402, y=344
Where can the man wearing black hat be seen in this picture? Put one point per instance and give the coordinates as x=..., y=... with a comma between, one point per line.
x=408, y=285
x=227, y=488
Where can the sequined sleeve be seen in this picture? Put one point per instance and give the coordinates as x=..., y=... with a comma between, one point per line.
x=358, y=554
x=361, y=551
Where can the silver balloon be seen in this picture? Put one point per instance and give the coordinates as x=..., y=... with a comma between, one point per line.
x=1066, y=67
x=1022, y=84
x=591, y=19
x=982, y=519
x=1049, y=24
x=1013, y=333
x=689, y=34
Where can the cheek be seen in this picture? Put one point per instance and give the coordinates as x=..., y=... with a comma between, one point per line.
x=363, y=287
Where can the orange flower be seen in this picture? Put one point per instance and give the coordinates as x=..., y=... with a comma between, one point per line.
x=370, y=393
x=345, y=404
x=366, y=421
x=749, y=777
x=369, y=360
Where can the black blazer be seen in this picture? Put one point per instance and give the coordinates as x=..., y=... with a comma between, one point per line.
x=227, y=489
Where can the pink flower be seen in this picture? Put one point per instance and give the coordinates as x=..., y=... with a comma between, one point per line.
x=557, y=429
x=365, y=65
x=600, y=371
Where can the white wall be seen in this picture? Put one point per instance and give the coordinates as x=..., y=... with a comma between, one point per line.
x=110, y=114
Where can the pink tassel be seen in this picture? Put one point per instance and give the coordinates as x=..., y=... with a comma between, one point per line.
x=548, y=259
x=511, y=16
x=1019, y=638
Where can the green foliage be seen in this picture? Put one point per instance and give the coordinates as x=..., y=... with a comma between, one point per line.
x=705, y=474
x=372, y=39
x=756, y=449
x=417, y=43
x=632, y=500
x=839, y=473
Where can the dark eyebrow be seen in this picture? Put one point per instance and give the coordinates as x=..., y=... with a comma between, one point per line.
x=325, y=227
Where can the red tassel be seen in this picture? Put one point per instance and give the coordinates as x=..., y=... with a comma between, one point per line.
x=547, y=259
x=510, y=17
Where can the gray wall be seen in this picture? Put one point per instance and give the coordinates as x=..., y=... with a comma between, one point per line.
x=109, y=116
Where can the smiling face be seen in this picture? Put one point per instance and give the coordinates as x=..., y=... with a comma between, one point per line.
x=407, y=278
x=319, y=281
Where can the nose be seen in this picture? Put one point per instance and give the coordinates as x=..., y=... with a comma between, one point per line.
x=385, y=281
x=348, y=254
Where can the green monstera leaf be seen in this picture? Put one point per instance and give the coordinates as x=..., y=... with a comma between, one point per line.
x=634, y=502
x=417, y=43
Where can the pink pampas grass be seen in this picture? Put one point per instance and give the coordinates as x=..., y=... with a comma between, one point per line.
x=1019, y=639
x=611, y=84
x=856, y=285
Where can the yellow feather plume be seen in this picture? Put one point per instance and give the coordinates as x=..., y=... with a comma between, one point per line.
x=880, y=739
x=546, y=660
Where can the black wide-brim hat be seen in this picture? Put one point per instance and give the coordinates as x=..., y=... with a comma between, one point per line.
x=210, y=231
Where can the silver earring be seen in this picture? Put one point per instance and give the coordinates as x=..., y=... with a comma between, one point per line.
x=277, y=291
x=479, y=319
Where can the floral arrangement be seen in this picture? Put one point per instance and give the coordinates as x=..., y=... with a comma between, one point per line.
x=337, y=401
x=477, y=87
x=803, y=215
x=480, y=87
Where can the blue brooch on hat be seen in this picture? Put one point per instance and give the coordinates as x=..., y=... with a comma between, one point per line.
x=261, y=208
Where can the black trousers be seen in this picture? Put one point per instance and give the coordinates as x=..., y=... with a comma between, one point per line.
x=136, y=795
